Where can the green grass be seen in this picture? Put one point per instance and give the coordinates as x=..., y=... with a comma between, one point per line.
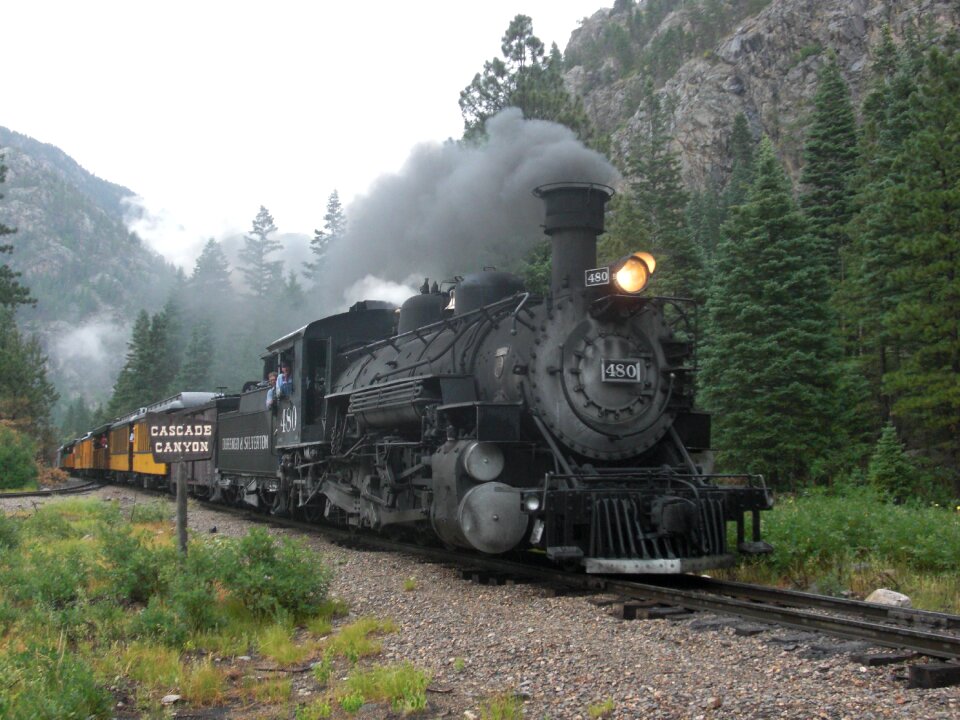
x=850, y=539
x=502, y=707
x=358, y=640
x=203, y=683
x=278, y=643
x=316, y=710
x=90, y=602
x=270, y=691
x=403, y=686
x=601, y=710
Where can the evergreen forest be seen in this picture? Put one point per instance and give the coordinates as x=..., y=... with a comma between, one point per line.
x=829, y=321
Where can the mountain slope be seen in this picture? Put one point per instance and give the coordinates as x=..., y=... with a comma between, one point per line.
x=72, y=245
x=713, y=59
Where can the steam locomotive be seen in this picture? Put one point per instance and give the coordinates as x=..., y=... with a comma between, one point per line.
x=481, y=416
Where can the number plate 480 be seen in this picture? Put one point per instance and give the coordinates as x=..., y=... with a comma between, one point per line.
x=626, y=370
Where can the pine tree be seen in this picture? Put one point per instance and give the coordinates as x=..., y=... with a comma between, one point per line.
x=525, y=77
x=660, y=202
x=211, y=273
x=164, y=356
x=830, y=161
x=195, y=367
x=626, y=231
x=705, y=214
x=77, y=419
x=741, y=167
x=767, y=367
x=128, y=391
x=890, y=470
x=26, y=396
x=867, y=293
x=921, y=212
x=12, y=293
x=259, y=272
x=334, y=228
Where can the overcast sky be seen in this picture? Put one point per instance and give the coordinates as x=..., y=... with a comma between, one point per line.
x=208, y=109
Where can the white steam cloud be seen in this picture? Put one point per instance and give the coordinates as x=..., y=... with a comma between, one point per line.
x=454, y=209
x=375, y=288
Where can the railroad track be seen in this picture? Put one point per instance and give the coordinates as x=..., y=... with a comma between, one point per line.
x=932, y=634
x=70, y=490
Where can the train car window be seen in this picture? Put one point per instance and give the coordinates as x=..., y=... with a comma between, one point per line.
x=315, y=371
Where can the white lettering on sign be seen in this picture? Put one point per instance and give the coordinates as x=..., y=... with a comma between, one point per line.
x=179, y=446
x=288, y=419
x=185, y=430
x=596, y=276
x=247, y=442
x=626, y=370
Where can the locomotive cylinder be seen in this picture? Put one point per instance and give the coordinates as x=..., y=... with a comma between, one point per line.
x=573, y=220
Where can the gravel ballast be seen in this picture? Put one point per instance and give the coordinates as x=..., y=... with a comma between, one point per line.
x=564, y=654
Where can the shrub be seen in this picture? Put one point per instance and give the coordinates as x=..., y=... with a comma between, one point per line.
x=53, y=576
x=316, y=710
x=160, y=621
x=271, y=575
x=151, y=512
x=9, y=533
x=45, y=682
x=820, y=529
x=18, y=467
x=135, y=571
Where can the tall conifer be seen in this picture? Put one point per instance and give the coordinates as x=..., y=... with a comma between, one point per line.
x=260, y=273
x=922, y=215
x=766, y=370
x=660, y=201
x=334, y=228
x=12, y=293
x=830, y=161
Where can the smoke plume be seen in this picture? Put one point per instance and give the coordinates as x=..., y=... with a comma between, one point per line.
x=454, y=209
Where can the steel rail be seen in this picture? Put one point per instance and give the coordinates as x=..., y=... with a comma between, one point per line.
x=883, y=635
x=797, y=598
x=75, y=489
x=919, y=641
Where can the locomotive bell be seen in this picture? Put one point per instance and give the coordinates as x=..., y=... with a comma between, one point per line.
x=573, y=220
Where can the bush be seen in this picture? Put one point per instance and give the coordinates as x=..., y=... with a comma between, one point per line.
x=9, y=533
x=271, y=576
x=18, y=467
x=820, y=528
x=55, y=576
x=160, y=621
x=42, y=682
x=135, y=571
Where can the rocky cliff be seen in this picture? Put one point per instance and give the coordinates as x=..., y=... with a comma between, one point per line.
x=764, y=65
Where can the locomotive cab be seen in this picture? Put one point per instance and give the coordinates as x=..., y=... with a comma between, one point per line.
x=314, y=354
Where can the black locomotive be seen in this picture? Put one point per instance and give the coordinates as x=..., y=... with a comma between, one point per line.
x=496, y=420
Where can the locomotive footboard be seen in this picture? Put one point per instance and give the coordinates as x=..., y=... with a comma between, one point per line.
x=647, y=523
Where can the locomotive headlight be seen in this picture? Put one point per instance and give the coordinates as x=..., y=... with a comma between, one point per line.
x=648, y=259
x=634, y=272
x=483, y=461
x=531, y=503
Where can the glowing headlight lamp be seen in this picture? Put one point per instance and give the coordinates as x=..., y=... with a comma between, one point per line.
x=633, y=272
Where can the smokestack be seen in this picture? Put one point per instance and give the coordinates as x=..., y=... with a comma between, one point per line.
x=574, y=218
